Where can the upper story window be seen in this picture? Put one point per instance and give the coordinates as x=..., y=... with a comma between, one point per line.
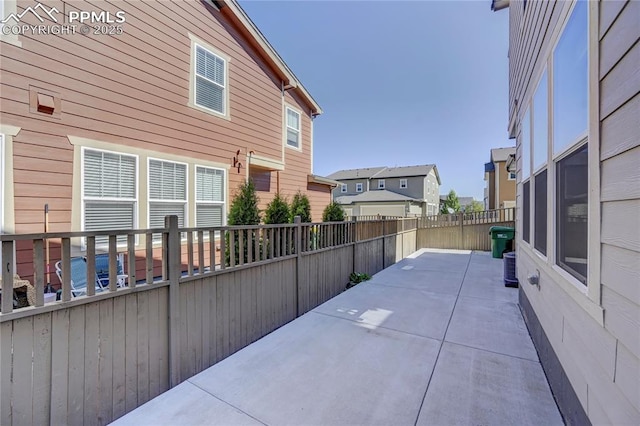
x=511, y=176
x=570, y=143
x=358, y=187
x=343, y=187
x=167, y=192
x=403, y=184
x=570, y=83
x=293, y=128
x=210, y=197
x=109, y=182
x=209, y=92
x=380, y=183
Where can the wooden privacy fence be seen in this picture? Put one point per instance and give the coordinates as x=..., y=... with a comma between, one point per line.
x=462, y=231
x=192, y=297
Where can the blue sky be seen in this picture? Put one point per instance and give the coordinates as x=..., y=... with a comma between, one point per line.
x=400, y=82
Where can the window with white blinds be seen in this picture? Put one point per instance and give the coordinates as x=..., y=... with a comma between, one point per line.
x=110, y=191
x=167, y=192
x=210, y=196
x=293, y=128
x=210, y=80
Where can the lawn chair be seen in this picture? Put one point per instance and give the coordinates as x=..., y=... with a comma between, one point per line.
x=102, y=269
x=79, y=277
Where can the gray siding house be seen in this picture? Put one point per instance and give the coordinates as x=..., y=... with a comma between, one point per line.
x=574, y=109
x=388, y=191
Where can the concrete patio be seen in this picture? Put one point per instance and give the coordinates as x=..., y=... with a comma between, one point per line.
x=435, y=339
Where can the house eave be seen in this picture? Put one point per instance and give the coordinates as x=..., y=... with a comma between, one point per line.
x=320, y=180
x=499, y=5
x=265, y=163
x=232, y=10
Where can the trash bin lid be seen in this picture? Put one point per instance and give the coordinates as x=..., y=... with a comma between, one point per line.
x=495, y=229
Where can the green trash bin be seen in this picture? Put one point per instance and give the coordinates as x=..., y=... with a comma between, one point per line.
x=501, y=240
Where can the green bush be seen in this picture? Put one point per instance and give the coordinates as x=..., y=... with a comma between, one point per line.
x=243, y=211
x=244, y=206
x=333, y=213
x=277, y=211
x=300, y=206
x=357, y=277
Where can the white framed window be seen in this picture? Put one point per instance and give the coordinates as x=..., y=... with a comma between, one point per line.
x=358, y=187
x=293, y=128
x=403, y=184
x=343, y=187
x=511, y=176
x=109, y=192
x=210, y=80
x=210, y=197
x=381, y=183
x=167, y=183
x=570, y=144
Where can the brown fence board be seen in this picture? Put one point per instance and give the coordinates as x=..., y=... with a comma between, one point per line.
x=91, y=366
x=21, y=401
x=105, y=389
x=118, y=371
x=41, y=369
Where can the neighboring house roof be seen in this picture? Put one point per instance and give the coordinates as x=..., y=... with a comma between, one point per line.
x=365, y=173
x=385, y=172
x=232, y=10
x=374, y=196
x=502, y=154
x=390, y=172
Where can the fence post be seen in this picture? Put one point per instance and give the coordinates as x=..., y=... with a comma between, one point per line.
x=462, y=246
x=7, y=279
x=172, y=266
x=354, y=239
x=384, y=240
x=297, y=220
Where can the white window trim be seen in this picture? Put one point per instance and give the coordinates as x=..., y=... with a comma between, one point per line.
x=152, y=200
x=195, y=41
x=8, y=7
x=343, y=188
x=84, y=199
x=510, y=174
x=223, y=203
x=359, y=185
x=287, y=127
x=381, y=183
x=588, y=296
x=404, y=184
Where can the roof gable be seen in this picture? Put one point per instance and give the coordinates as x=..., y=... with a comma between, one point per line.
x=238, y=17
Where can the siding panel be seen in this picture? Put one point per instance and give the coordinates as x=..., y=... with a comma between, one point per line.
x=620, y=37
x=622, y=83
x=620, y=225
x=620, y=176
x=621, y=130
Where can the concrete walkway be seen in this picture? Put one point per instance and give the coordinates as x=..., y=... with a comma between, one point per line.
x=433, y=340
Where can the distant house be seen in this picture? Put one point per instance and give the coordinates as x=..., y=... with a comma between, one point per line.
x=389, y=191
x=166, y=117
x=500, y=184
x=574, y=109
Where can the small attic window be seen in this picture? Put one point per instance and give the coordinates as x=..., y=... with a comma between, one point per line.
x=46, y=104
